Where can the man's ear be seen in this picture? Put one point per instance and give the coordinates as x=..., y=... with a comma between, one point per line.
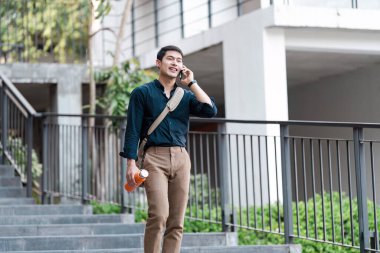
x=158, y=63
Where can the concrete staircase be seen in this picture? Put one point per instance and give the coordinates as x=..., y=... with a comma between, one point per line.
x=27, y=227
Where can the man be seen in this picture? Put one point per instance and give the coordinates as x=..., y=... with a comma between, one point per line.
x=166, y=158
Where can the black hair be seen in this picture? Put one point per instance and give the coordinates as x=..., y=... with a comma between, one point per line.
x=163, y=51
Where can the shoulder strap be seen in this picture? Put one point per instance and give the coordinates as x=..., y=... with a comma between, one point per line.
x=170, y=106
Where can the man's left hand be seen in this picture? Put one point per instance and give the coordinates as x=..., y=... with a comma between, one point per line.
x=188, y=76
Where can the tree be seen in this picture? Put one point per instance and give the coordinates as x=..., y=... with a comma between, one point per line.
x=121, y=81
x=31, y=30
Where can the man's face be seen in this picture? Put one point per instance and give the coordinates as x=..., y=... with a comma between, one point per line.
x=171, y=64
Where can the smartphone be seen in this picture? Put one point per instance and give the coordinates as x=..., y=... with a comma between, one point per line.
x=181, y=75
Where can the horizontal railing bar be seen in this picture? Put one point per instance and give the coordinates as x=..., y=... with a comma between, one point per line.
x=48, y=114
x=257, y=229
x=223, y=120
x=17, y=94
x=16, y=102
x=289, y=122
x=318, y=138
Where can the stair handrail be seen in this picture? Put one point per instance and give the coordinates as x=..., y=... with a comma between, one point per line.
x=16, y=94
x=9, y=91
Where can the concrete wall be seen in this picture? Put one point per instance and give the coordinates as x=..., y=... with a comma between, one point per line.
x=350, y=97
x=362, y=4
x=68, y=79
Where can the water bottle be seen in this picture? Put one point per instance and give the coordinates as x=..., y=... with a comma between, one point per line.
x=140, y=177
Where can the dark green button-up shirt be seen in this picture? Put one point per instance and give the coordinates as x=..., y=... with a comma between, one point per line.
x=146, y=103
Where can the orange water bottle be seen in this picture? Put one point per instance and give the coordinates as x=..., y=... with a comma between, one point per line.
x=140, y=177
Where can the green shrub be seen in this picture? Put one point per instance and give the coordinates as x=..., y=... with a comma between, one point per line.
x=19, y=154
x=202, y=220
x=260, y=238
x=105, y=208
x=141, y=216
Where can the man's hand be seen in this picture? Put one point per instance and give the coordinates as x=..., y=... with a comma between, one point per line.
x=188, y=76
x=131, y=170
x=195, y=88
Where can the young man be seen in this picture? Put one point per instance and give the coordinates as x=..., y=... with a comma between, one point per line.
x=166, y=158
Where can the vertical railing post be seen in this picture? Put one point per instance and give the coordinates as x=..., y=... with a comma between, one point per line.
x=286, y=183
x=239, y=7
x=84, y=160
x=224, y=178
x=182, y=19
x=156, y=23
x=29, y=150
x=45, y=163
x=354, y=4
x=4, y=122
x=123, y=169
x=133, y=26
x=209, y=8
x=361, y=182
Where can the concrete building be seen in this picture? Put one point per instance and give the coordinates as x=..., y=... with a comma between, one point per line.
x=263, y=59
x=268, y=60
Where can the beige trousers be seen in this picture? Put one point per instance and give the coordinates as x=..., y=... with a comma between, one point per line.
x=167, y=188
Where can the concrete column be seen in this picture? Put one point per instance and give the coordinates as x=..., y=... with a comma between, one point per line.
x=69, y=101
x=256, y=89
x=69, y=90
x=255, y=74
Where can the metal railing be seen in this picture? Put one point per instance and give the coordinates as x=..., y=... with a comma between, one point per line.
x=211, y=12
x=81, y=161
x=306, y=180
x=16, y=139
x=303, y=180
x=149, y=28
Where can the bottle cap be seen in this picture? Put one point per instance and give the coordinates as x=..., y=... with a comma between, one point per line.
x=144, y=173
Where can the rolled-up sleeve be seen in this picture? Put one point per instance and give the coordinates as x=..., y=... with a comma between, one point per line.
x=203, y=110
x=134, y=122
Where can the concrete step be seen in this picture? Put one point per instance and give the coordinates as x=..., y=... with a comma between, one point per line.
x=44, y=210
x=7, y=171
x=105, y=241
x=212, y=249
x=65, y=219
x=70, y=229
x=12, y=192
x=244, y=249
x=10, y=181
x=16, y=201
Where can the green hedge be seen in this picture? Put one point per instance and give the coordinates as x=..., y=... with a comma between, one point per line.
x=252, y=237
x=105, y=208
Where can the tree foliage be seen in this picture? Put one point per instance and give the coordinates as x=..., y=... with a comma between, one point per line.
x=121, y=81
x=53, y=30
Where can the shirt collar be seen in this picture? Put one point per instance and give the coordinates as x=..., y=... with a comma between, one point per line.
x=160, y=86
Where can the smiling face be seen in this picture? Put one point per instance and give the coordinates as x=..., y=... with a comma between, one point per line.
x=171, y=64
